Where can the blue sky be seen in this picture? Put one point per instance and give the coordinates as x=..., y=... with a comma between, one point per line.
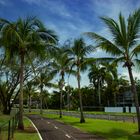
x=70, y=18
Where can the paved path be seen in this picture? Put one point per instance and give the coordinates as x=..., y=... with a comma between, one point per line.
x=53, y=130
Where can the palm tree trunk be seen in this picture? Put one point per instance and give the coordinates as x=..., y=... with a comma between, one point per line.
x=68, y=99
x=20, y=122
x=82, y=120
x=61, y=87
x=41, y=90
x=30, y=102
x=135, y=95
x=60, y=114
x=99, y=92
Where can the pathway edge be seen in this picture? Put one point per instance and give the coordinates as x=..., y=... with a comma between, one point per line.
x=35, y=128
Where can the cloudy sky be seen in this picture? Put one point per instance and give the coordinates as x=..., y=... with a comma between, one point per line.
x=70, y=18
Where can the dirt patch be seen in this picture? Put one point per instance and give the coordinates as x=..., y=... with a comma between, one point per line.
x=27, y=130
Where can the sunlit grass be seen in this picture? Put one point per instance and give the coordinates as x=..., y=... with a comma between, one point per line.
x=110, y=130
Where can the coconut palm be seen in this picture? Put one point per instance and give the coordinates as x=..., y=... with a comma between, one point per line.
x=124, y=45
x=61, y=66
x=97, y=77
x=19, y=39
x=78, y=52
x=29, y=90
x=44, y=80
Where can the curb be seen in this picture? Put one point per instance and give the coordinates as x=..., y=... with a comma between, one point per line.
x=35, y=128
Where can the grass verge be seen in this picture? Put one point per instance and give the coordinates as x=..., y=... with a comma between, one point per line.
x=110, y=130
x=88, y=112
x=4, y=118
x=29, y=132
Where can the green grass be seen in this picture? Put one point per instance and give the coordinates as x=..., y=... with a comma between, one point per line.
x=94, y=112
x=28, y=134
x=110, y=130
x=4, y=118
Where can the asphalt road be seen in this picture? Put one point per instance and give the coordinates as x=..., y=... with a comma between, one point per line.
x=53, y=130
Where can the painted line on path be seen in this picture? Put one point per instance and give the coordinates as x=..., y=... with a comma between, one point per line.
x=68, y=136
x=35, y=128
x=55, y=127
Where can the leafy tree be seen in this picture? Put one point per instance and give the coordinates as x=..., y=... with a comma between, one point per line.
x=19, y=39
x=124, y=45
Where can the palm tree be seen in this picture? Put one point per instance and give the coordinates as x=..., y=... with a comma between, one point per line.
x=101, y=74
x=61, y=66
x=97, y=77
x=77, y=52
x=30, y=90
x=124, y=46
x=19, y=39
x=44, y=80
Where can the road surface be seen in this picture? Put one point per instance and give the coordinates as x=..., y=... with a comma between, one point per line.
x=50, y=129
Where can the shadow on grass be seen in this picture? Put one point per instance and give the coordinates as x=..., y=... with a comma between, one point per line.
x=118, y=133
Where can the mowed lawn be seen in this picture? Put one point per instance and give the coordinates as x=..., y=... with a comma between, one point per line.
x=111, y=130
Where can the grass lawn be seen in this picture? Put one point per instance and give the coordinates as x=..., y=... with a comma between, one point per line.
x=28, y=134
x=110, y=130
x=4, y=118
x=88, y=112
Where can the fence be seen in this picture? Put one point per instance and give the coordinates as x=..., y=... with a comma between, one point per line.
x=122, y=118
x=7, y=129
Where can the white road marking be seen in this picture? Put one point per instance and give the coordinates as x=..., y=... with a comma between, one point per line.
x=48, y=122
x=55, y=127
x=35, y=129
x=68, y=136
x=65, y=133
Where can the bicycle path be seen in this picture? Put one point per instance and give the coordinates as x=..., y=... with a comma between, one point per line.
x=51, y=129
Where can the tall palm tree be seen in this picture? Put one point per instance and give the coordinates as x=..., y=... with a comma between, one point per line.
x=44, y=80
x=30, y=90
x=124, y=45
x=19, y=39
x=61, y=66
x=78, y=52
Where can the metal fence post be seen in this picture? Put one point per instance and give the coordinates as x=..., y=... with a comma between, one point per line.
x=133, y=119
x=9, y=124
x=123, y=119
x=0, y=132
x=13, y=127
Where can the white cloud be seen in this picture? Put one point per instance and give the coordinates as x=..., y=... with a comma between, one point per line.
x=112, y=8
x=4, y=2
x=38, y=2
x=56, y=7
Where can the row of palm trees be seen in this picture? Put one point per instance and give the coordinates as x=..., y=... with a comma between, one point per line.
x=27, y=37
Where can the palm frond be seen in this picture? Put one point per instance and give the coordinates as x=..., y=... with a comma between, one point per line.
x=135, y=51
x=133, y=27
x=105, y=44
